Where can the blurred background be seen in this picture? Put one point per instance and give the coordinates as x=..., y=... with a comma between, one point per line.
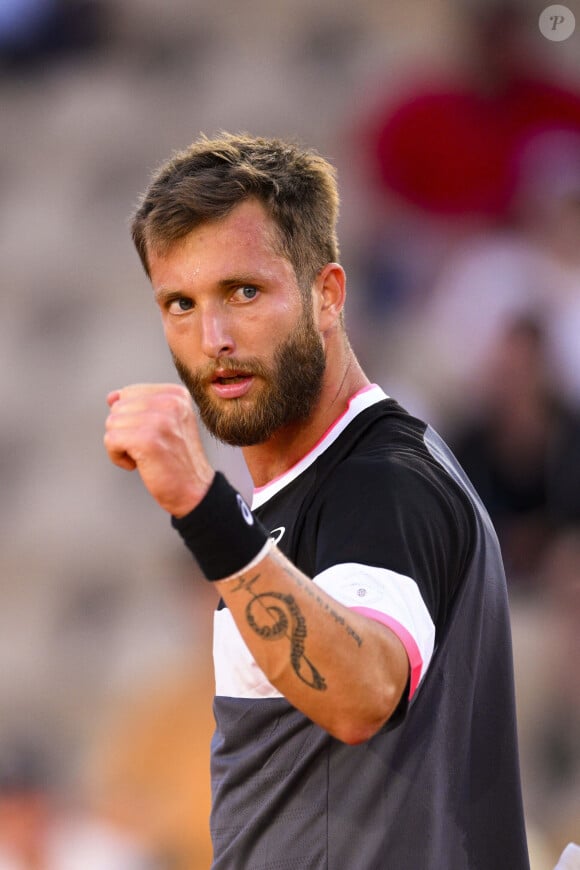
x=455, y=127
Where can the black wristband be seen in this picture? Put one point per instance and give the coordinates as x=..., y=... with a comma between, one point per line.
x=221, y=532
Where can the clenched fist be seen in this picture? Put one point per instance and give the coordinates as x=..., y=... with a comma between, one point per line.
x=152, y=427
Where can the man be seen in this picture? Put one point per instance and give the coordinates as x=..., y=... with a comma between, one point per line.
x=364, y=701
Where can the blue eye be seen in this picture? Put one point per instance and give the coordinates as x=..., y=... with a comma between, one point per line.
x=249, y=292
x=180, y=305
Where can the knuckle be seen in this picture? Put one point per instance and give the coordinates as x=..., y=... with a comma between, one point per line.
x=177, y=403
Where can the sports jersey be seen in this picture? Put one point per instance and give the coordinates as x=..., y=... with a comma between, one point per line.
x=380, y=515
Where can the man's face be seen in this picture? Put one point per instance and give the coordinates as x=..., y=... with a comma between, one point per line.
x=242, y=336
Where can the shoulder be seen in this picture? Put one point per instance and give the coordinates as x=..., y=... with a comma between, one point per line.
x=393, y=460
x=396, y=507
x=394, y=474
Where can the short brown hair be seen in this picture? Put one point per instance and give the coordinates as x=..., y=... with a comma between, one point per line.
x=207, y=180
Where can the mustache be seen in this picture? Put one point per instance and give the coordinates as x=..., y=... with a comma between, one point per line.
x=207, y=373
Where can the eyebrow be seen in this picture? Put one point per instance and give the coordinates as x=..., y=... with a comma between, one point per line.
x=165, y=295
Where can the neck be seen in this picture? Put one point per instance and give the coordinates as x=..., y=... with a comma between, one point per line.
x=342, y=379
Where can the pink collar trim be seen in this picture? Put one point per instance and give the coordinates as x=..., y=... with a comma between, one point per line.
x=361, y=400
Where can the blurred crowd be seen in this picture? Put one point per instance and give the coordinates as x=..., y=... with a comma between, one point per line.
x=456, y=132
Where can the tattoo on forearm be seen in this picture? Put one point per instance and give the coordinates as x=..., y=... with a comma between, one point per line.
x=310, y=589
x=285, y=620
x=288, y=622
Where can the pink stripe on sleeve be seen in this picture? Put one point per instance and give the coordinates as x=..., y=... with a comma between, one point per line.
x=407, y=639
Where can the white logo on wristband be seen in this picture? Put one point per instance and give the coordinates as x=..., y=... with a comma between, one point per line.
x=246, y=512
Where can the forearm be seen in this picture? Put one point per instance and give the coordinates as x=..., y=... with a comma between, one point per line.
x=342, y=670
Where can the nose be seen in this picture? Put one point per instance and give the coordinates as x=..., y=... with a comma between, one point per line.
x=216, y=338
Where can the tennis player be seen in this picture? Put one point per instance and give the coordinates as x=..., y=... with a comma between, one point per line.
x=364, y=694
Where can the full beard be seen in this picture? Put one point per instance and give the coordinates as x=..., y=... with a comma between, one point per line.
x=291, y=389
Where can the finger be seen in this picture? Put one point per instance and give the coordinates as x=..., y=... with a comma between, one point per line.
x=158, y=407
x=132, y=390
x=146, y=425
x=123, y=460
x=120, y=458
x=144, y=394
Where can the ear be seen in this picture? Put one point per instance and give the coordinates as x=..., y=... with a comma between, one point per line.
x=329, y=292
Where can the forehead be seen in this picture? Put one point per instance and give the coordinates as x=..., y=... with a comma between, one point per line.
x=244, y=243
x=247, y=231
x=246, y=223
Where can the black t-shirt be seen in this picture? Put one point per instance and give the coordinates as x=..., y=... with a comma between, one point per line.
x=380, y=515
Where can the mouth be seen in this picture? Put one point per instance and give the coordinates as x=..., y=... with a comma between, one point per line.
x=230, y=379
x=231, y=385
